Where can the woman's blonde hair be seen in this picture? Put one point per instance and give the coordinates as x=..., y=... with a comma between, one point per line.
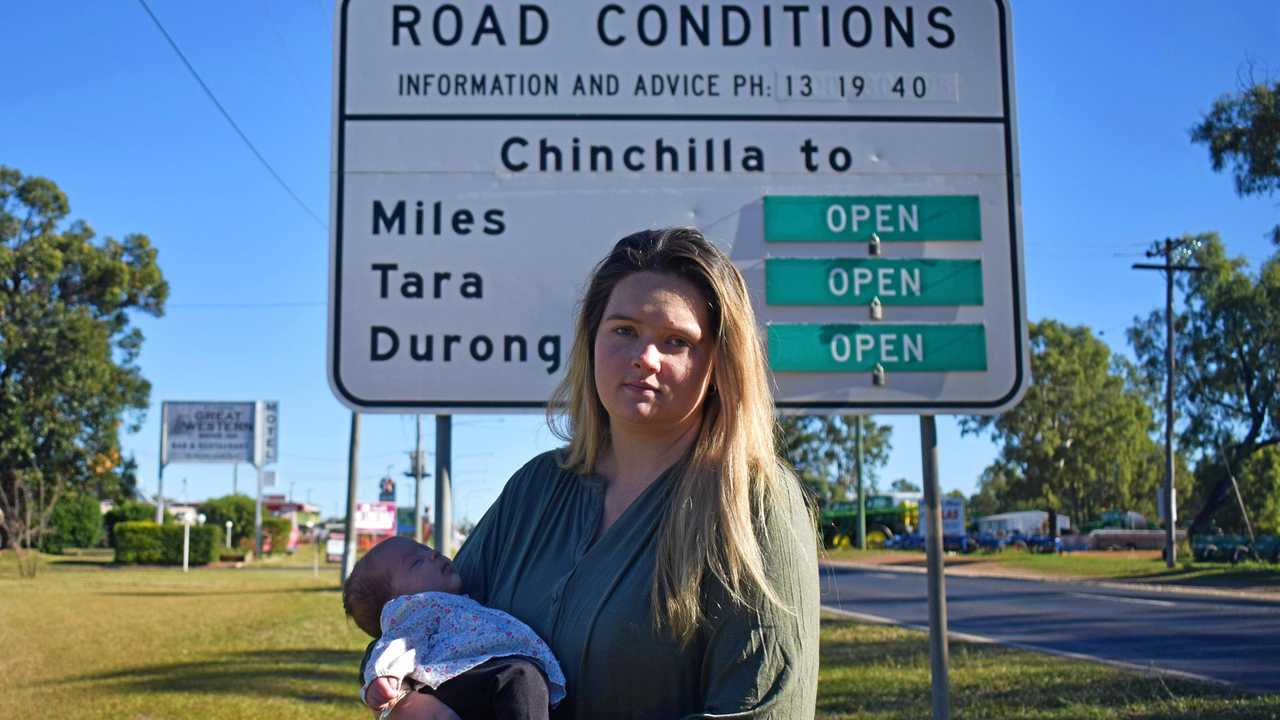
x=732, y=474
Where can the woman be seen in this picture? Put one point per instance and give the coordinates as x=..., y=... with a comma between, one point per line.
x=666, y=555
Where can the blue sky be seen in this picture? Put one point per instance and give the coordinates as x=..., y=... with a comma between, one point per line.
x=101, y=104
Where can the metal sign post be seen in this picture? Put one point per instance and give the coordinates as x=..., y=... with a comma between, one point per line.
x=417, y=480
x=937, y=584
x=862, y=488
x=444, y=484
x=257, y=513
x=353, y=467
x=164, y=460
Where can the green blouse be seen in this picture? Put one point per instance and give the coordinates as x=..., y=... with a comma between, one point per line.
x=532, y=555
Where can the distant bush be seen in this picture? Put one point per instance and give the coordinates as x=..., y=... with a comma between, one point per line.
x=126, y=512
x=236, y=508
x=146, y=543
x=76, y=521
x=278, y=530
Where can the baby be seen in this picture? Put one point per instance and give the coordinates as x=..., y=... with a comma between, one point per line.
x=481, y=662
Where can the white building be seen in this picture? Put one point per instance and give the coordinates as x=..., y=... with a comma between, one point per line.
x=1027, y=522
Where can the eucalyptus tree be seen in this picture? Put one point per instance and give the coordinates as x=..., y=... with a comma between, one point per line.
x=1243, y=130
x=822, y=448
x=1227, y=384
x=1080, y=440
x=69, y=380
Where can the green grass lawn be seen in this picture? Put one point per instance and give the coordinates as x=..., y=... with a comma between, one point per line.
x=1259, y=574
x=1097, y=566
x=882, y=673
x=88, y=640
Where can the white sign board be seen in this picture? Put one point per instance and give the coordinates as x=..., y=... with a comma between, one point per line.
x=334, y=546
x=219, y=432
x=953, y=521
x=376, y=517
x=858, y=162
x=206, y=432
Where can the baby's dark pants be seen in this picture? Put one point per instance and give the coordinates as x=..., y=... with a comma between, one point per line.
x=507, y=688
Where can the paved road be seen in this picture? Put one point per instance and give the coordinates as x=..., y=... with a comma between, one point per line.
x=1227, y=639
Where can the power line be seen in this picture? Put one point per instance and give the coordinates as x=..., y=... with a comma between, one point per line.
x=304, y=88
x=232, y=306
x=227, y=115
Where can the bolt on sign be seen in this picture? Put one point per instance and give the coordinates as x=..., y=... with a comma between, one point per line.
x=858, y=161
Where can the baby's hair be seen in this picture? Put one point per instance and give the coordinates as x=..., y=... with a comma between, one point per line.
x=364, y=593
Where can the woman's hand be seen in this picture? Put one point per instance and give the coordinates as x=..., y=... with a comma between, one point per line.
x=421, y=706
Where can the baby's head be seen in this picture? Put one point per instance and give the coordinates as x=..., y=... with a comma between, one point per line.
x=396, y=566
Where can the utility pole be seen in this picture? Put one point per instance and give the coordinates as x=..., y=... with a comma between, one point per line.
x=1170, y=501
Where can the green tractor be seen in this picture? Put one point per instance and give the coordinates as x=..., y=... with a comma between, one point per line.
x=885, y=518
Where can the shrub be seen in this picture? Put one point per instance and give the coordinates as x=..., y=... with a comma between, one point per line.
x=233, y=556
x=76, y=521
x=236, y=508
x=146, y=543
x=131, y=510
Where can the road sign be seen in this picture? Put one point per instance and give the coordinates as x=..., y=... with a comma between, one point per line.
x=858, y=163
x=953, y=518
x=376, y=517
x=206, y=432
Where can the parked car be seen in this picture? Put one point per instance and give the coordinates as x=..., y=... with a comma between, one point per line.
x=959, y=543
x=913, y=541
x=916, y=541
x=992, y=542
x=1044, y=544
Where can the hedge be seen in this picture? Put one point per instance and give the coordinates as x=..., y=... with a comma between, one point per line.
x=146, y=543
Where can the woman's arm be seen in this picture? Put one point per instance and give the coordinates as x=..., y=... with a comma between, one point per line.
x=764, y=663
x=421, y=706
x=478, y=559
